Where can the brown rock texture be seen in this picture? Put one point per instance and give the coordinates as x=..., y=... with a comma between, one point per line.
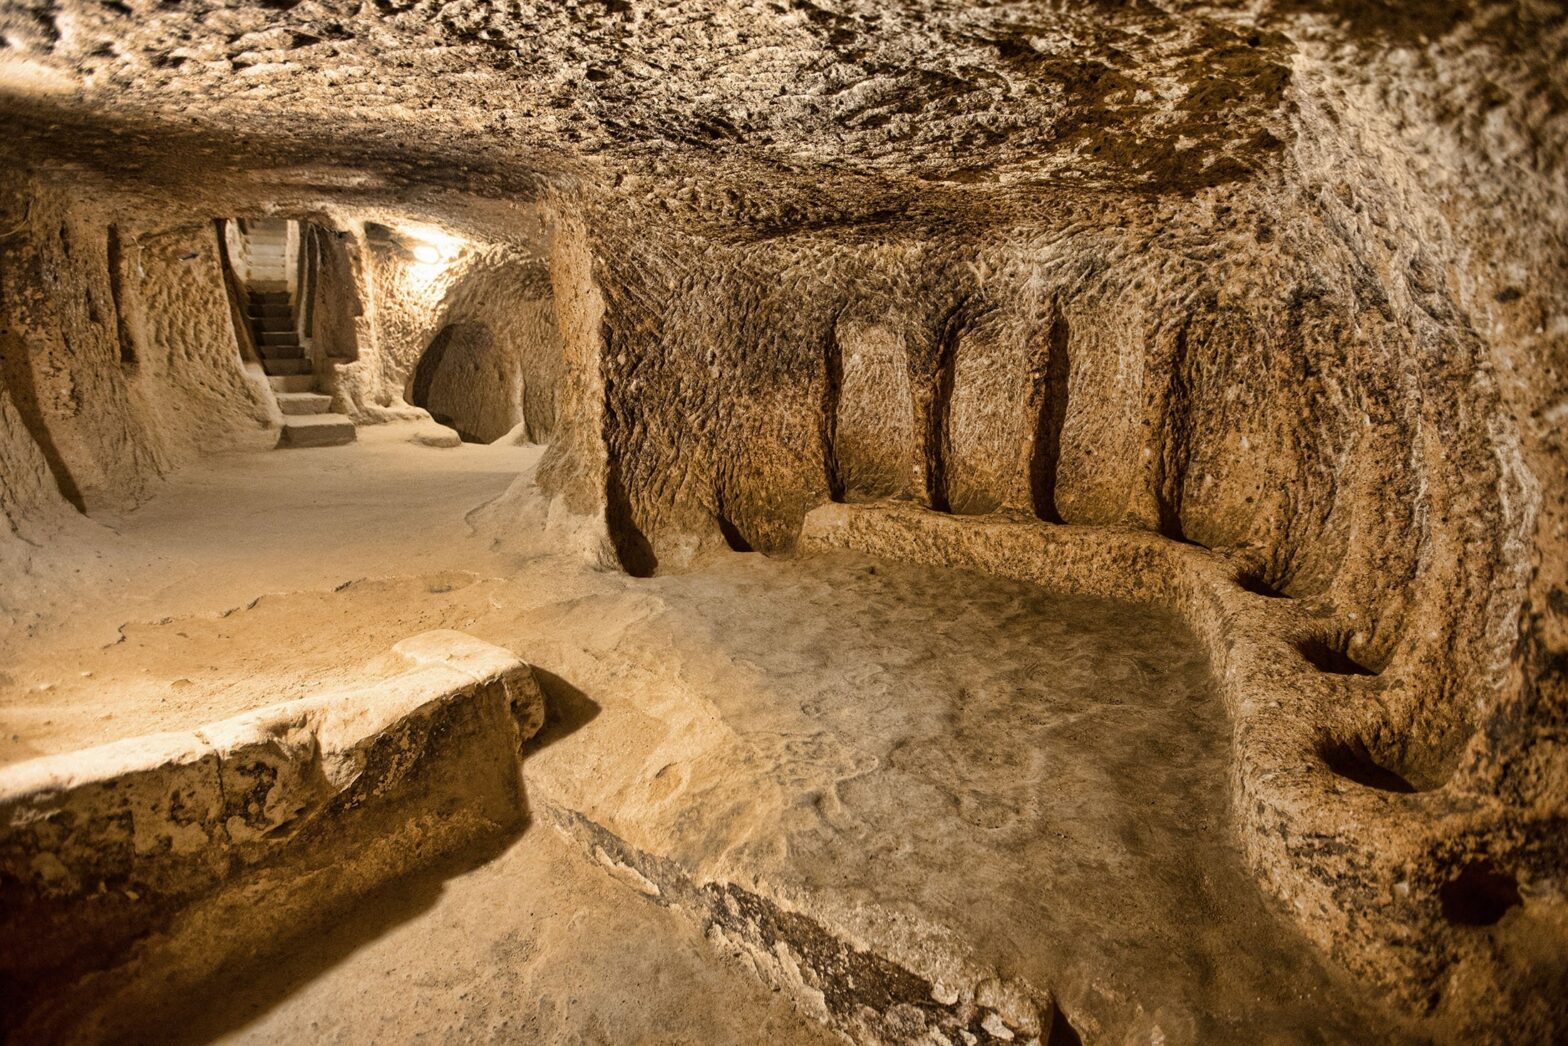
x=1272, y=297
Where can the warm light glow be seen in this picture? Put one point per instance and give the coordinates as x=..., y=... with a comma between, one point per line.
x=433, y=250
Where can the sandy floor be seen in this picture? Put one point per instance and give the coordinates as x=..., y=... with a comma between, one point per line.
x=169, y=617
x=534, y=946
x=937, y=762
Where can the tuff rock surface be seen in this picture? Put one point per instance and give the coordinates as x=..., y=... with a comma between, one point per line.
x=1279, y=289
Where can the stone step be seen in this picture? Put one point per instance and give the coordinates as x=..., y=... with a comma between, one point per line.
x=273, y=324
x=282, y=352
x=283, y=311
x=286, y=367
x=302, y=403
x=270, y=338
x=291, y=383
x=266, y=297
x=316, y=430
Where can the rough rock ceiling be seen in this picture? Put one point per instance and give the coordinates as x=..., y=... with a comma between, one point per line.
x=1113, y=94
x=771, y=113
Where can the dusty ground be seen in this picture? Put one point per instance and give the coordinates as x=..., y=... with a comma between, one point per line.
x=140, y=626
x=969, y=774
x=537, y=945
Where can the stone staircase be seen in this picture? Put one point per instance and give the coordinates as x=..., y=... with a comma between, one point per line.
x=307, y=417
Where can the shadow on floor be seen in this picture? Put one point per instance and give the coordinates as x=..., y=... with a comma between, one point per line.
x=240, y=993
x=567, y=710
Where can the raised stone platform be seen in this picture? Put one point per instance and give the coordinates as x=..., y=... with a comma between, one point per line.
x=1381, y=862
x=134, y=870
x=932, y=803
x=316, y=430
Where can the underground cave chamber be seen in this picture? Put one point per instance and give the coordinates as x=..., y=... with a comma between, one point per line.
x=804, y=522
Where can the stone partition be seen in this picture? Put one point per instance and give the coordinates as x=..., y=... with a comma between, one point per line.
x=133, y=870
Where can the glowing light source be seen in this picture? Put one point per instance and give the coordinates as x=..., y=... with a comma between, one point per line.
x=432, y=251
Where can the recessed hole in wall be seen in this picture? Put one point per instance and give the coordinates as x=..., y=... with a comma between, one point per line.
x=1254, y=581
x=1297, y=573
x=1327, y=654
x=449, y=383
x=117, y=269
x=1352, y=761
x=1045, y=455
x=1062, y=1033
x=732, y=535
x=1480, y=895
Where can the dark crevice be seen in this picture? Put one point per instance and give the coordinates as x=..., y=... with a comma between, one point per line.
x=1328, y=654
x=732, y=535
x=632, y=547
x=1061, y=1032
x=17, y=372
x=938, y=439
x=832, y=395
x=1256, y=582
x=1046, y=454
x=1480, y=895
x=122, y=327
x=1352, y=761
x=1171, y=463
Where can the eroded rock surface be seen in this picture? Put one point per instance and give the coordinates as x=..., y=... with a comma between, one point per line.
x=1284, y=284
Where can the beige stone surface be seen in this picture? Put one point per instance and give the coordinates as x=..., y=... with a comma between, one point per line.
x=1278, y=286
x=1006, y=795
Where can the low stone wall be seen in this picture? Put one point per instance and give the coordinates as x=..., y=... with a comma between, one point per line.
x=130, y=872
x=1414, y=884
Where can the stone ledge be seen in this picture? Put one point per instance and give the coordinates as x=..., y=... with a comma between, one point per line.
x=111, y=857
x=866, y=993
x=1361, y=870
